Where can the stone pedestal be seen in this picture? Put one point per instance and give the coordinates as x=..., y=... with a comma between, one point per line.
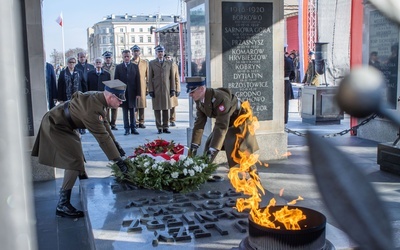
x=319, y=107
x=239, y=45
x=389, y=157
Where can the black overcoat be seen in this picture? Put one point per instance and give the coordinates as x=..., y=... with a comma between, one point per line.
x=95, y=82
x=131, y=77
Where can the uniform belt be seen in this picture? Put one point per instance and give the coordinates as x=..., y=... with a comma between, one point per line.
x=286, y=78
x=68, y=115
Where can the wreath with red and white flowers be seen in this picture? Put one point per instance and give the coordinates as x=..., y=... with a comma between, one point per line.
x=162, y=165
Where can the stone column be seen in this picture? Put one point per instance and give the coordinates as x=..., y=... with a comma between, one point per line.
x=16, y=208
x=35, y=83
x=240, y=45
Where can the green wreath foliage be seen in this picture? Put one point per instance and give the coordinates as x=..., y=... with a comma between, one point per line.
x=184, y=175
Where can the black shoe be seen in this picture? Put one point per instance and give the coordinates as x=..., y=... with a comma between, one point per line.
x=127, y=131
x=166, y=131
x=64, y=207
x=142, y=126
x=134, y=131
x=82, y=131
x=172, y=124
x=159, y=131
x=113, y=127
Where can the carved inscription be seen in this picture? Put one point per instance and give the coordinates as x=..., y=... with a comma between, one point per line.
x=191, y=216
x=247, y=54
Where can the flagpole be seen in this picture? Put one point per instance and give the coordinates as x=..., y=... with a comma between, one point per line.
x=63, y=44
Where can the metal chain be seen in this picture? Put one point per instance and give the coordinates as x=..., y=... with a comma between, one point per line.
x=341, y=133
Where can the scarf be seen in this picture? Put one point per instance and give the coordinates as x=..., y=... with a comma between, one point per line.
x=71, y=83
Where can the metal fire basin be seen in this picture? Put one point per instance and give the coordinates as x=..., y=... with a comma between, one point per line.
x=311, y=235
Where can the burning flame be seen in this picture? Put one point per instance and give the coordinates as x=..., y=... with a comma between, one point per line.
x=244, y=178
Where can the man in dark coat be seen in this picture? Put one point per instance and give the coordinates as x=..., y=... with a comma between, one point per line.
x=225, y=107
x=129, y=74
x=58, y=144
x=289, y=70
x=51, y=86
x=83, y=65
x=97, y=76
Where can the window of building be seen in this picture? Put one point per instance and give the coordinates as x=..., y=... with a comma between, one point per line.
x=132, y=29
x=149, y=39
x=132, y=39
x=104, y=39
x=121, y=29
x=149, y=51
x=111, y=39
x=121, y=39
x=140, y=39
x=140, y=29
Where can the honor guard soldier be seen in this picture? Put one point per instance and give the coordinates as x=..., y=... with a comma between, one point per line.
x=58, y=143
x=225, y=107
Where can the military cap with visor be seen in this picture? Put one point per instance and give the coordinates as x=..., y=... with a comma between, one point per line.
x=159, y=48
x=117, y=88
x=107, y=54
x=192, y=83
x=135, y=48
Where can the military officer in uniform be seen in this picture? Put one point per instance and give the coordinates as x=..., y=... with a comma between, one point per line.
x=161, y=85
x=109, y=66
x=58, y=143
x=143, y=71
x=225, y=107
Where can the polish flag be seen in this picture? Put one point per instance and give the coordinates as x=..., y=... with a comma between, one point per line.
x=59, y=20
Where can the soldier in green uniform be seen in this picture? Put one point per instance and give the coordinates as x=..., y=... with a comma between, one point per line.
x=225, y=107
x=58, y=142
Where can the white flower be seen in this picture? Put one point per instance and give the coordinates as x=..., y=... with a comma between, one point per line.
x=147, y=170
x=154, y=166
x=160, y=168
x=203, y=165
x=188, y=162
x=198, y=169
x=175, y=175
x=172, y=161
x=146, y=164
x=182, y=157
x=185, y=171
x=191, y=172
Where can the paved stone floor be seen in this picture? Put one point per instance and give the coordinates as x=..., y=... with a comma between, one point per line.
x=109, y=224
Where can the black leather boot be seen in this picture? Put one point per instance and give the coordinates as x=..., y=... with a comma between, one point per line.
x=64, y=207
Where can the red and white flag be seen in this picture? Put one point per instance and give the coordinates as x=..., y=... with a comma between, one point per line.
x=59, y=19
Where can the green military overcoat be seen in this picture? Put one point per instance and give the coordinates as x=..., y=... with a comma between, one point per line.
x=143, y=71
x=161, y=82
x=58, y=144
x=222, y=105
x=177, y=81
x=110, y=69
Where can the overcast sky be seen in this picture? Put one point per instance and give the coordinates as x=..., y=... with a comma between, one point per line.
x=78, y=15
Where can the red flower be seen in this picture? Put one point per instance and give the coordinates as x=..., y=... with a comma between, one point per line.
x=160, y=147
